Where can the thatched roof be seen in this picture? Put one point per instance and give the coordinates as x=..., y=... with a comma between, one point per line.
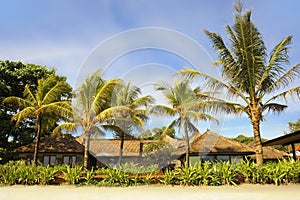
x=212, y=143
x=59, y=144
x=111, y=147
x=269, y=153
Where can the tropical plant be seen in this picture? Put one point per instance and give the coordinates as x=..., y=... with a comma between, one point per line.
x=294, y=126
x=46, y=174
x=248, y=74
x=116, y=177
x=185, y=105
x=159, y=133
x=44, y=103
x=72, y=175
x=88, y=176
x=188, y=175
x=134, y=117
x=13, y=78
x=169, y=177
x=202, y=173
x=92, y=109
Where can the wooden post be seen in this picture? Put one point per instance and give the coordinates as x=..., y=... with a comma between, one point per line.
x=294, y=152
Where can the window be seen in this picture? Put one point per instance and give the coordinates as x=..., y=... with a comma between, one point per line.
x=49, y=160
x=194, y=159
x=236, y=158
x=69, y=160
x=223, y=158
x=208, y=158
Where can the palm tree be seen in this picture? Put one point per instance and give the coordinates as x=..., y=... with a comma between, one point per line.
x=41, y=104
x=93, y=109
x=134, y=117
x=249, y=74
x=185, y=106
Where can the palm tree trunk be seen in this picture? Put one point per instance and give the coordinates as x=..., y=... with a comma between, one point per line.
x=37, y=141
x=86, y=151
x=121, y=149
x=187, y=140
x=257, y=138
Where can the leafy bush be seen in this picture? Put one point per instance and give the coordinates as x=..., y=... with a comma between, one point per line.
x=72, y=175
x=202, y=173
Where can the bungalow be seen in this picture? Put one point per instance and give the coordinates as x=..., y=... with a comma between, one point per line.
x=62, y=149
x=269, y=153
x=211, y=146
x=106, y=152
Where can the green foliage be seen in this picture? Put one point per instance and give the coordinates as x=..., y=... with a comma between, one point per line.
x=243, y=139
x=46, y=174
x=44, y=105
x=187, y=106
x=72, y=175
x=169, y=177
x=158, y=133
x=294, y=126
x=116, y=177
x=202, y=173
x=246, y=140
x=13, y=78
x=257, y=82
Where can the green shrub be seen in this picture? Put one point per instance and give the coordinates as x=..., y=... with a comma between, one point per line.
x=72, y=175
x=46, y=174
x=202, y=173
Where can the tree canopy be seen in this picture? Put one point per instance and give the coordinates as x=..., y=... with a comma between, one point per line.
x=13, y=78
x=256, y=81
x=294, y=126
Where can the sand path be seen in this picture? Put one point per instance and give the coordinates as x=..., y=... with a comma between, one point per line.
x=243, y=192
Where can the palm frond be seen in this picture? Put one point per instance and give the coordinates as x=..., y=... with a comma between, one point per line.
x=27, y=112
x=104, y=94
x=279, y=56
x=143, y=101
x=163, y=110
x=191, y=127
x=28, y=95
x=61, y=108
x=213, y=83
x=293, y=92
x=55, y=92
x=17, y=101
x=274, y=107
x=196, y=116
x=67, y=126
x=113, y=112
x=284, y=80
x=225, y=57
x=175, y=123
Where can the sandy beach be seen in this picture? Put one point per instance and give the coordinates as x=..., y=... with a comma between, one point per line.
x=253, y=192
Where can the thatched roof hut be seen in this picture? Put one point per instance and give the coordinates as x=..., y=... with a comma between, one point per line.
x=65, y=143
x=52, y=150
x=269, y=153
x=212, y=143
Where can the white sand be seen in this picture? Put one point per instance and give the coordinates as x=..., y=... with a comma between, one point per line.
x=242, y=192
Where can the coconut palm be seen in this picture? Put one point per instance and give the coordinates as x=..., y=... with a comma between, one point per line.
x=186, y=107
x=41, y=105
x=134, y=117
x=93, y=109
x=256, y=81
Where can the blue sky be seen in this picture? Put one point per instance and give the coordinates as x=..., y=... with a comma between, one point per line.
x=77, y=36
